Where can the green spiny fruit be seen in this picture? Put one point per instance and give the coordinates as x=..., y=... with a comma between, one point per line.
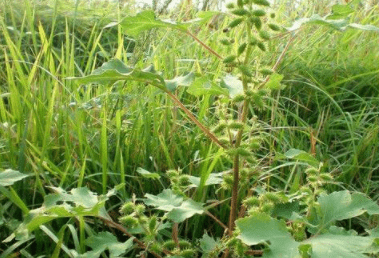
x=266, y=71
x=229, y=59
x=259, y=12
x=311, y=171
x=261, y=2
x=139, y=209
x=267, y=207
x=243, y=152
x=241, y=48
x=252, y=201
x=264, y=35
x=274, y=27
x=261, y=46
x=240, y=12
x=127, y=208
x=245, y=70
x=169, y=245
x=235, y=22
x=129, y=221
x=236, y=125
x=184, y=244
x=239, y=98
x=230, y=5
x=240, y=3
x=153, y=223
x=225, y=42
x=220, y=127
x=188, y=253
x=326, y=177
x=256, y=21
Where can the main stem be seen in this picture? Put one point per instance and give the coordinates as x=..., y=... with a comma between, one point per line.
x=236, y=160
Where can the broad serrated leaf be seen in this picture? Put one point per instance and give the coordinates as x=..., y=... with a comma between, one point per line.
x=147, y=174
x=339, y=246
x=116, y=70
x=77, y=202
x=262, y=229
x=146, y=20
x=207, y=244
x=274, y=83
x=233, y=85
x=106, y=241
x=186, y=210
x=165, y=201
x=303, y=156
x=9, y=177
x=185, y=80
x=203, y=86
x=342, y=205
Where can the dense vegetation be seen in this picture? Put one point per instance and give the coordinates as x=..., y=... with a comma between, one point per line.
x=87, y=163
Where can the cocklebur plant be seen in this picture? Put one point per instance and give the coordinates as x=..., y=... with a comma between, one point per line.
x=270, y=224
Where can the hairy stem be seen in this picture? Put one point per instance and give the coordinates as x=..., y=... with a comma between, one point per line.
x=204, y=45
x=194, y=119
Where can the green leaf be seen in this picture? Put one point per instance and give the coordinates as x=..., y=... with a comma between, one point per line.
x=186, y=210
x=178, y=210
x=261, y=228
x=301, y=155
x=146, y=20
x=78, y=202
x=340, y=11
x=116, y=70
x=147, y=174
x=207, y=244
x=364, y=27
x=213, y=179
x=334, y=246
x=9, y=177
x=165, y=201
x=185, y=80
x=340, y=24
x=342, y=205
x=274, y=82
x=202, y=86
x=233, y=85
x=106, y=241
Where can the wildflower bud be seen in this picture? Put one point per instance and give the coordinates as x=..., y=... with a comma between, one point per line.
x=225, y=42
x=239, y=98
x=257, y=22
x=243, y=152
x=252, y=201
